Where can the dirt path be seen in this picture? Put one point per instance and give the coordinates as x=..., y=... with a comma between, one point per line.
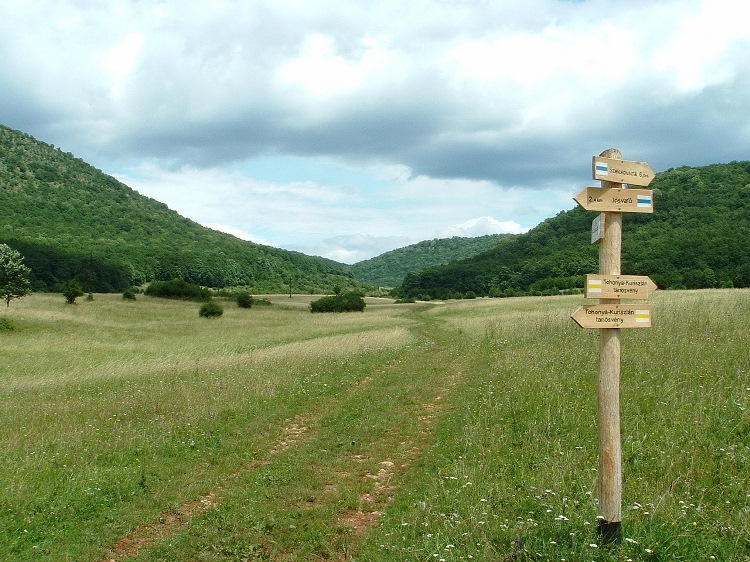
x=170, y=522
x=375, y=471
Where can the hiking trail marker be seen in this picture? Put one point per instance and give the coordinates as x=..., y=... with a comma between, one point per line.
x=613, y=316
x=614, y=170
x=610, y=316
x=597, y=228
x=616, y=199
x=618, y=287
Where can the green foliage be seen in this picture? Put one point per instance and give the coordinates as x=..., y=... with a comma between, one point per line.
x=211, y=309
x=177, y=289
x=14, y=275
x=120, y=238
x=244, y=300
x=71, y=290
x=5, y=325
x=129, y=295
x=390, y=268
x=698, y=237
x=348, y=302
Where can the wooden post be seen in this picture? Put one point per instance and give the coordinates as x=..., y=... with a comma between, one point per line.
x=612, y=199
x=608, y=386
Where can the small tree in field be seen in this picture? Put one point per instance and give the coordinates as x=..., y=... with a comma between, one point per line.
x=71, y=290
x=14, y=275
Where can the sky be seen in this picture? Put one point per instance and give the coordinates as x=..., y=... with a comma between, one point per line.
x=349, y=128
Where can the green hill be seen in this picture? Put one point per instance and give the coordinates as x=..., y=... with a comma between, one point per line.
x=69, y=219
x=698, y=237
x=390, y=268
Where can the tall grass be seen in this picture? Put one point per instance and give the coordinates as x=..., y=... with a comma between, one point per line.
x=113, y=412
x=408, y=432
x=515, y=471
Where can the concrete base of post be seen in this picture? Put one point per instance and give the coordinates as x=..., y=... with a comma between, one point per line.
x=610, y=532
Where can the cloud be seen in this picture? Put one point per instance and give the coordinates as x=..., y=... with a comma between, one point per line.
x=385, y=122
x=482, y=226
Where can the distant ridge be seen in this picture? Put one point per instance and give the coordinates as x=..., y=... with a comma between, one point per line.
x=69, y=219
x=390, y=268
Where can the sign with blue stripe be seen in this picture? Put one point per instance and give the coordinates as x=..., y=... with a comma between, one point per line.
x=622, y=171
x=616, y=199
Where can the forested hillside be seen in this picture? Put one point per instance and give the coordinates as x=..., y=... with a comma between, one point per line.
x=390, y=268
x=69, y=219
x=697, y=237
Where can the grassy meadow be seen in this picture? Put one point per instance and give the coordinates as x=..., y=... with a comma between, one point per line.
x=437, y=431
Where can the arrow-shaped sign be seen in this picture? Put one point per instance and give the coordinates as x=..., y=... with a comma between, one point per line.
x=616, y=199
x=619, y=286
x=613, y=316
x=621, y=171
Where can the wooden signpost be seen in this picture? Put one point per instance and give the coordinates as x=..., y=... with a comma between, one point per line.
x=597, y=228
x=614, y=199
x=618, y=287
x=613, y=316
x=614, y=170
x=610, y=316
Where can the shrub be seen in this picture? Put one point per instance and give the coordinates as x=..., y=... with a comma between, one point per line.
x=129, y=295
x=71, y=290
x=211, y=309
x=244, y=300
x=339, y=303
x=177, y=289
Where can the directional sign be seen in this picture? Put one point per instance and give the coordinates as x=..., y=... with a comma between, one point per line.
x=613, y=316
x=597, y=228
x=619, y=287
x=622, y=171
x=616, y=199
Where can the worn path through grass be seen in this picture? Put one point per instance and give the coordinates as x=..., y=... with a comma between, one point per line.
x=332, y=471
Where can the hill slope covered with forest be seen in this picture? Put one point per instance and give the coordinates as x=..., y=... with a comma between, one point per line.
x=697, y=237
x=70, y=220
x=390, y=268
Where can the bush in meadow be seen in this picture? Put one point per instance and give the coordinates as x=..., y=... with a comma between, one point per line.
x=177, y=289
x=347, y=302
x=211, y=309
x=244, y=300
x=71, y=290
